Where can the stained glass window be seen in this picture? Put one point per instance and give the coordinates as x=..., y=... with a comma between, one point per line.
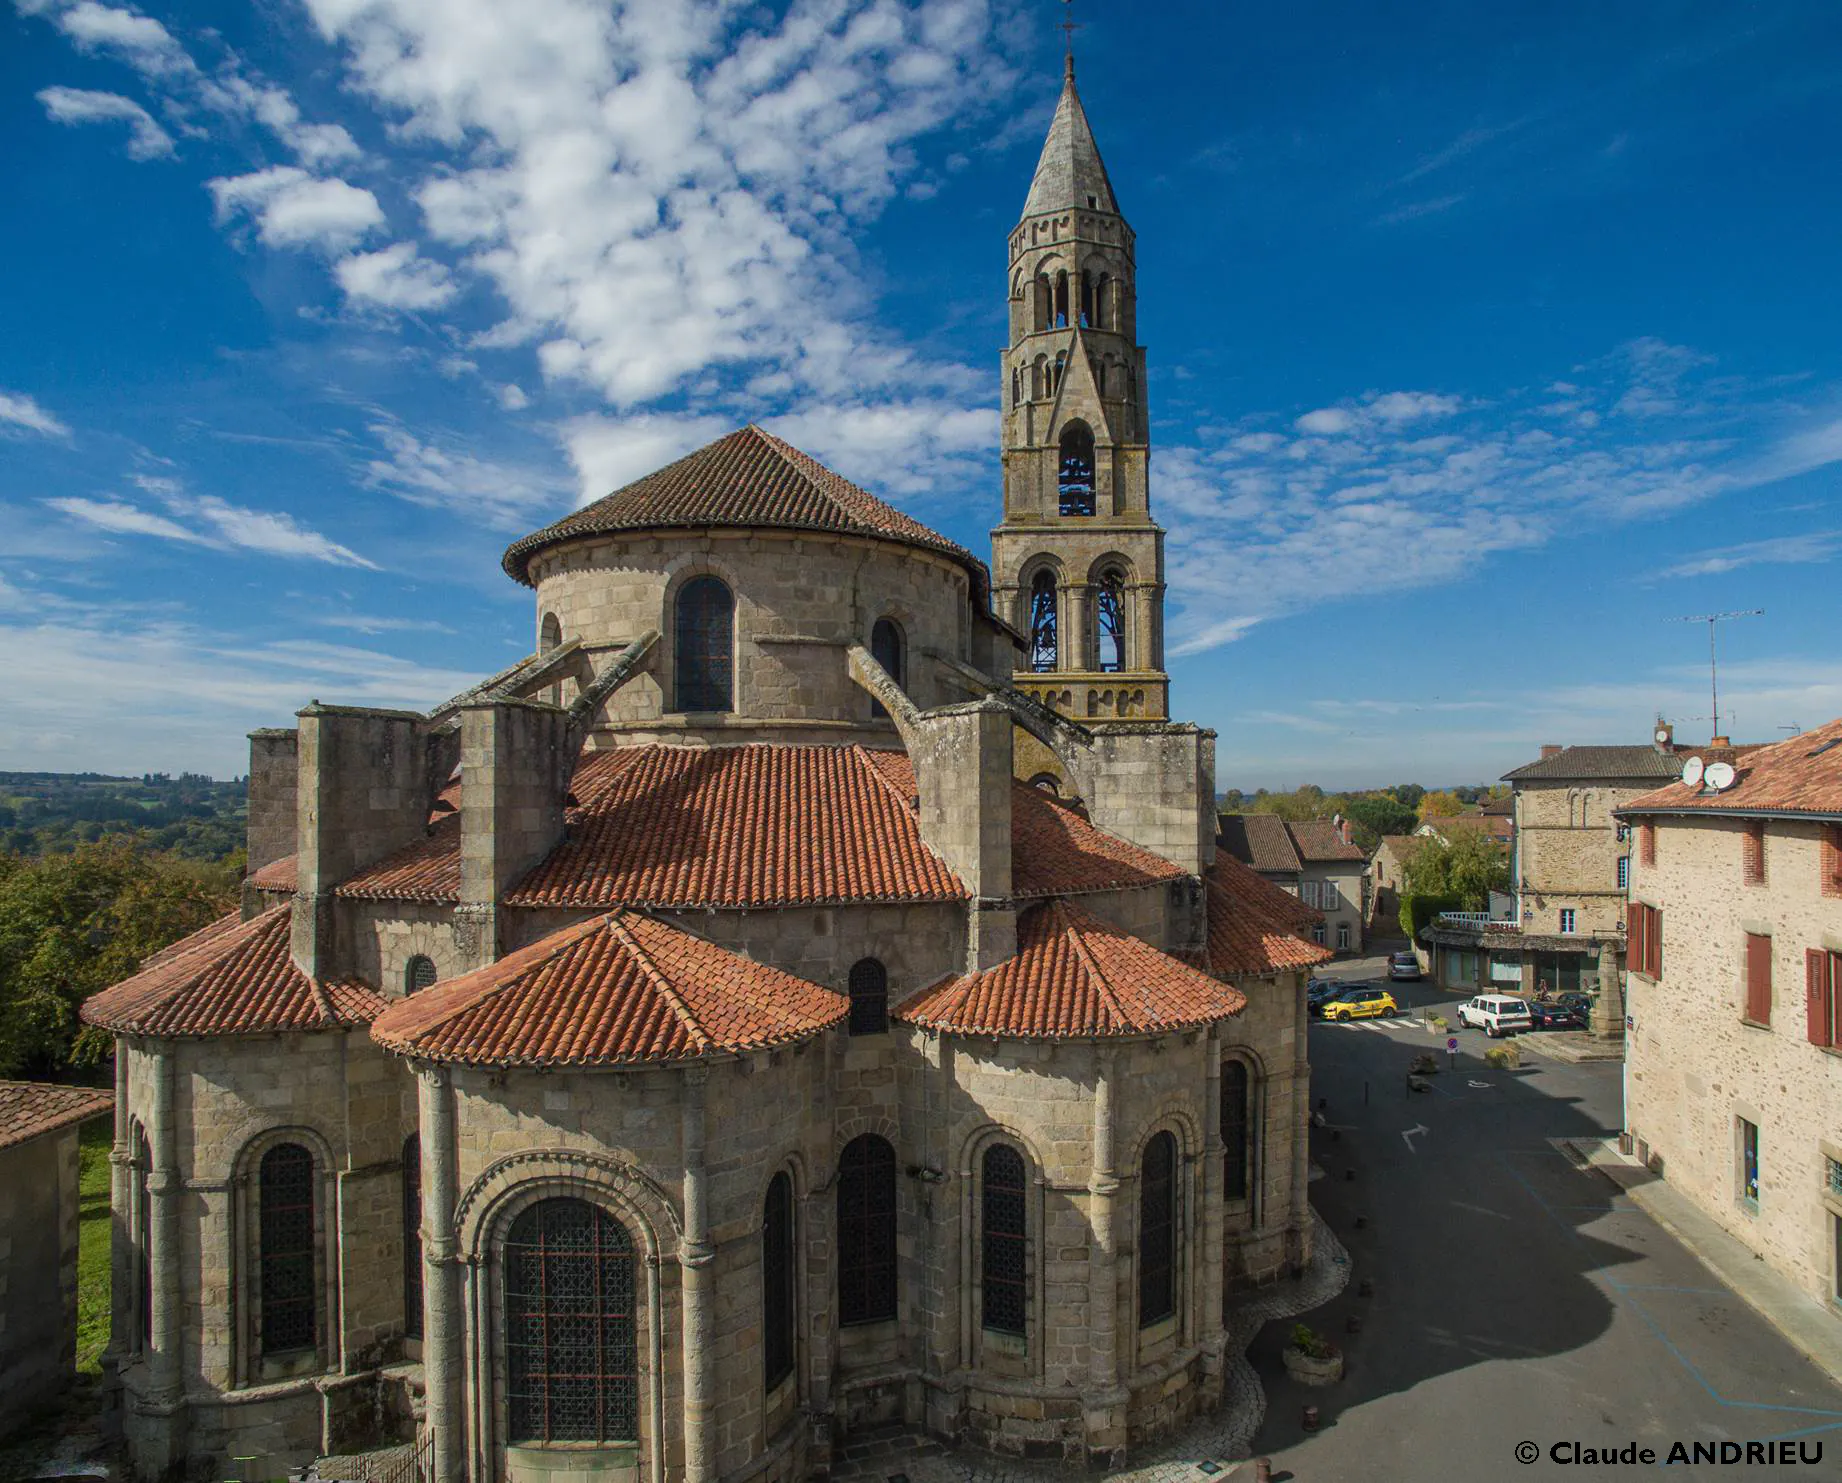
x=1042, y=622
x=1235, y=1123
x=1157, y=1231
x=704, y=665
x=572, y=1362
x=1110, y=612
x=777, y=1280
x=869, y=996
x=866, y=1231
x=1003, y=1239
x=1075, y=483
x=285, y=1223
x=412, y=1237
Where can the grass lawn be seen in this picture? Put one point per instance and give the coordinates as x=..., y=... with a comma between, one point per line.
x=97, y=1137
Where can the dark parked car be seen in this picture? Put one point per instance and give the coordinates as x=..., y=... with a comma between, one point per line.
x=1320, y=991
x=1557, y=1014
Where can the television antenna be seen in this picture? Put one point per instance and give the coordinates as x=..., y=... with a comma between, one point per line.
x=1713, y=620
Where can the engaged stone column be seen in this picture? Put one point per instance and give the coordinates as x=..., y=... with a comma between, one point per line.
x=1213, y=1150
x=1102, y=1277
x=443, y=1323
x=121, y=1232
x=696, y=1259
x=164, y=1190
x=1071, y=642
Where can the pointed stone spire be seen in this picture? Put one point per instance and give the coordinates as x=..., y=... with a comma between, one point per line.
x=1070, y=171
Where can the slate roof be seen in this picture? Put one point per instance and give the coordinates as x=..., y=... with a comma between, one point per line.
x=30, y=1109
x=1074, y=975
x=747, y=478
x=1254, y=925
x=1069, y=170
x=1259, y=840
x=1318, y=841
x=1801, y=775
x=1599, y=764
x=615, y=990
x=231, y=978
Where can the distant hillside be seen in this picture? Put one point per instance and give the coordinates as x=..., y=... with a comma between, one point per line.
x=190, y=816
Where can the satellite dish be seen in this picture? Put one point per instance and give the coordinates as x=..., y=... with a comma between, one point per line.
x=1663, y=734
x=1691, y=772
x=1719, y=775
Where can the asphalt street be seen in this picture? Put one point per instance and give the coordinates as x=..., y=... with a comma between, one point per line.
x=1516, y=1297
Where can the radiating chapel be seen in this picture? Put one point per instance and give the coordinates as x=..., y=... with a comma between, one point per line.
x=802, y=995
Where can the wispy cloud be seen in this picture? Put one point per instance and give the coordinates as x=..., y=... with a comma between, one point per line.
x=1806, y=549
x=441, y=473
x=20, y=413
x=1415, y=210
x=213, y=522
x=146, y=139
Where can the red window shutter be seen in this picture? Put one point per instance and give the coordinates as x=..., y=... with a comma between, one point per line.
x=1634, y=935
x=1816, y=996
x=1758, y=978
x=1653, y=948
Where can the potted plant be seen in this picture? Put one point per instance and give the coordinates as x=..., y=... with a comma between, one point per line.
x=1311, y=1359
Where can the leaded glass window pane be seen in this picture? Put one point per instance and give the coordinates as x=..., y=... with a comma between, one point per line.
x=1042, y=622
x=1235, y=1151
x=869, y=996
x=285, y=1236
x=866, y=1231
x=1157, y=1231
x=704, y=638
x=1003, y=1239
x=572, y=1360
x=777, y=1280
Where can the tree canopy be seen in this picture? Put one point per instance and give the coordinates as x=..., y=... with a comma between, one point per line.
x=1468, y=869
x=1442, y=804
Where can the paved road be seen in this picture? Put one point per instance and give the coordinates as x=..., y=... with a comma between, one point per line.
x=1517, y=1297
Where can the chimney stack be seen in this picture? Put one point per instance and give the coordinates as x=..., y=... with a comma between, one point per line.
x=1551, y=749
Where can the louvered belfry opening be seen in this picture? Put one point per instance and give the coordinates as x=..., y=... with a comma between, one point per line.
x=285, y=1234
x=1003, y=1240
x=572, y=1361
x=866, y=1231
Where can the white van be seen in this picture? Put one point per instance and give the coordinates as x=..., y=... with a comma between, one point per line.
x=1496, y=1015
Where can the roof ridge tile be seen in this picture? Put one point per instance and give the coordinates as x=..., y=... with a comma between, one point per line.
x=661, y=984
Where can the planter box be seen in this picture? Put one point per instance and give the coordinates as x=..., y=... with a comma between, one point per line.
x=1308, y=1371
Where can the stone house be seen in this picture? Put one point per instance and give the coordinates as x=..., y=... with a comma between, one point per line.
x=1313, y=859
x=1733, y=1087
x=750, y=1018
x=1387, y=880
x=38, y=1240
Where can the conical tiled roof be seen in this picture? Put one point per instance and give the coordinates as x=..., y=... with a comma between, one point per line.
x=1074, y=976
x=1070, y=170
x=748, y=478
x=613, y=990
x=1254, y=925
x=231, y=978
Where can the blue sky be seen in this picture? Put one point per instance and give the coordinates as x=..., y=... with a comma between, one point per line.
x=1485, y=341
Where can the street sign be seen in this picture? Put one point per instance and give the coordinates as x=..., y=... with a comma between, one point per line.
x=1451, y=1042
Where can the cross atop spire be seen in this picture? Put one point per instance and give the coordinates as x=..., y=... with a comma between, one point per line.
x=1068, y=27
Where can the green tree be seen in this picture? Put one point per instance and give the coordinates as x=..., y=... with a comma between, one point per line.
x=1407, y=793
x=1469, y=868
x=1439, y=805
x=1376, y=814
x=73, y=923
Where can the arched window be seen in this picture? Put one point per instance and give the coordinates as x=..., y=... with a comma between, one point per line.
x=1157, y=1231
x=550, y=636
x=572, y=1360
x=1110, y=620
x=1002, y=1240
x=418, y=973
x=412, y=1237
x=869, y=995
x=143, y=1237
x=1045, y=299
x=777, y=1281
x=1042, y=621
x=1038, y=387
x=1087, y=298
x=286, y=1249
x=1048, y=782
x=1237, y=1130
x=886, y=650
x=866, y=1231
x=1103, y=309
x=1061, y=300
x=1075, y=480
x=704, y=638
x=1016, y=385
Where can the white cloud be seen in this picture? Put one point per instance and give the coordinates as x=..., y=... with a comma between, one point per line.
x=1809, y=448
x=502, y=495
x=139, y=40
x=396, y=277
x=19, y=411
x=360, y=623
x=1327, y=421
x=611, y=452
x=124, y=519
x=216, y=523
x=146, y=139
x=512, y=397
x=1810, y=548
x=294, y=209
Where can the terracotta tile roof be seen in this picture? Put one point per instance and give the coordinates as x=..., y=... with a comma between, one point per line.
x=1598, y=764
x=193, y=941
x=1317, y=840
x=29, y=1109
x=613, y=990
x=427, y=870
x=747, y=478
x=1259, y=840
x=238, y=979
x=1801, y=775
x=1074, y=975
x=1254, y=925
x=277, y=875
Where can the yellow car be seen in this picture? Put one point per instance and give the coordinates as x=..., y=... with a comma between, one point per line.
x=1363, y=1002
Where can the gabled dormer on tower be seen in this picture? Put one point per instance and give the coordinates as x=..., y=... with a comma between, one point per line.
x=1077, y=563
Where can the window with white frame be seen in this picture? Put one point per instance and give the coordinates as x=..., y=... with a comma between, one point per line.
x=1343, y=936
x=1317, y=933
x=1327, y=897
x=1566, y=920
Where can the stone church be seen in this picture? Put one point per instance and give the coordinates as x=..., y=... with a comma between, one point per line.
x=802, y=995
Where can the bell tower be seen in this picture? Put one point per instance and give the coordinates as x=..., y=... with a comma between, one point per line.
x=1077, y=563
